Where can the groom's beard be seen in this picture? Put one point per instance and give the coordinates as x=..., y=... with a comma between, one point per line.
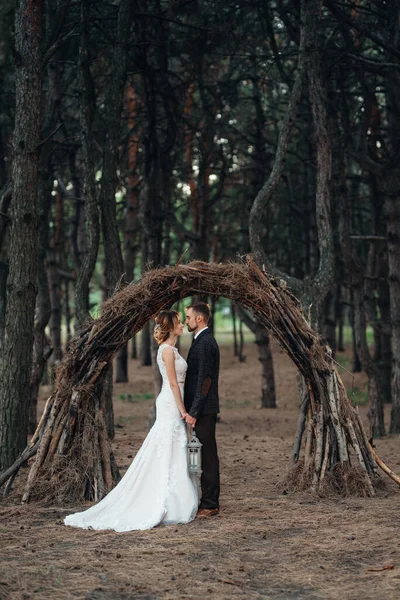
x=191, y=329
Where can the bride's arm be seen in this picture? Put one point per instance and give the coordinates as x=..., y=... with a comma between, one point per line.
x=168, y=356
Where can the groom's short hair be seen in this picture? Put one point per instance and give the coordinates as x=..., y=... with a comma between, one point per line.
x=201, y=308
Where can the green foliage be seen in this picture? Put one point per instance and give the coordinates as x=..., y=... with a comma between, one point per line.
x=343, y=360
x=358, y=396
x=348, y=335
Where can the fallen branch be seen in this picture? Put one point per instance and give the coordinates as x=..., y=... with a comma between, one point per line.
x=23, y=458
x=383, y=465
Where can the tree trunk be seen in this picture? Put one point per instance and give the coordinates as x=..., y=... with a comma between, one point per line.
x=256, y=220
x=268, y=394
x=134, y=353
x=329, y=319
x=354, y=278
x=356, y=367
x=43, y=304
x=390, y=185
x=67, y=313
x=5, y=200
x=121, y=366
x=145, y=346
x=213, y=305
x=392, y=207
x=235, y=340
x=106, y=403
x=322, y=282
x=151, y=212
x=132, y=194
x=78, y=237
x=114, y=264
x=15, y=363
x=375, y=393
x=340, y=318
x=91, y=209
x=384, y=360
x=132, y=191
x=55, y=253
x=3, y=299
x=241, y=356
x=44, y=308
x=312, y=292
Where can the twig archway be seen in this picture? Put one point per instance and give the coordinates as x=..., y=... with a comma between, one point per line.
x=74, y=459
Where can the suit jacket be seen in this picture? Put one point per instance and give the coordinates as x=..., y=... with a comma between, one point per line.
x=201, y=383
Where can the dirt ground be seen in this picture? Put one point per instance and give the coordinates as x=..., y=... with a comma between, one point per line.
x=265, y=543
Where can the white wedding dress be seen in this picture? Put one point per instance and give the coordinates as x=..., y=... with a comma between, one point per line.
x=157, y=487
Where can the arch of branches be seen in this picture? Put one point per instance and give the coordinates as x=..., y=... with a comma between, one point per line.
x=73, y=454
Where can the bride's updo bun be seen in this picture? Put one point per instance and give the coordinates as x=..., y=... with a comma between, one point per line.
x=165, y=323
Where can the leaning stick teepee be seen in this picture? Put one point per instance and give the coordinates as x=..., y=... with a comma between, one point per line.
x=73, y=455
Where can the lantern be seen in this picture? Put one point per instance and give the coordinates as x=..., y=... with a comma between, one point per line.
x=194, y=454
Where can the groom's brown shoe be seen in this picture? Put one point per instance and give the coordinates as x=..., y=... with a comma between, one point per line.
x=207, y=512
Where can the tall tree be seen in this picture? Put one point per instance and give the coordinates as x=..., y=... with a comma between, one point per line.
x=16, y=356
x=114, y=264
x=114, y=103
x=268, y=395
x=91, y=207
x=312, y=291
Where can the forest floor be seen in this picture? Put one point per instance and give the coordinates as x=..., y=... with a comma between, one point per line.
x=264, y=544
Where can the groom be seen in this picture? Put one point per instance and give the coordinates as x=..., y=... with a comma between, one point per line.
x=202, y=402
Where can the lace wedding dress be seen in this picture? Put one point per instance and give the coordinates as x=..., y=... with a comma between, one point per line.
x=157, y=487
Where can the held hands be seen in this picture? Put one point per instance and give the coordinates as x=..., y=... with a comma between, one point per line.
x=190, y=420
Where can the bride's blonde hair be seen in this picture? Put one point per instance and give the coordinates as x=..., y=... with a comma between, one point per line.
x=165, y=323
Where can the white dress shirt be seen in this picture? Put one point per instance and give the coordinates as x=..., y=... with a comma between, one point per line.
x=199, y=332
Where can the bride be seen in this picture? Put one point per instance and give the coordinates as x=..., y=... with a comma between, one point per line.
x=157, y=487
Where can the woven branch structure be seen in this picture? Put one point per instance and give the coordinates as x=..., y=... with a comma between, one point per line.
x=73, y=455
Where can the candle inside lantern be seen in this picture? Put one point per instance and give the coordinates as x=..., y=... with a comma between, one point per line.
x=194, y=454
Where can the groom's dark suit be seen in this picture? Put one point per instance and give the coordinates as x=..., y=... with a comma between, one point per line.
x=202, y=401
